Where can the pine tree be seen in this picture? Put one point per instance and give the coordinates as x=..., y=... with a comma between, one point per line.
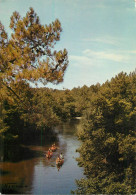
x=108, y=139
x=29, y=54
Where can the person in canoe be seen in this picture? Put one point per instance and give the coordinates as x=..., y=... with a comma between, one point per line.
x=49, y=153
x=59, y=161
x=61, y=156
x=53, y=147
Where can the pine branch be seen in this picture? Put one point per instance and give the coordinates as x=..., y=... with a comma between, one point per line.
x=11, y=90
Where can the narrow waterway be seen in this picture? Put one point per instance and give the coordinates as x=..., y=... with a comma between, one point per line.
x=38, y=175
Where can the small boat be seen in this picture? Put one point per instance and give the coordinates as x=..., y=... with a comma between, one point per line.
x=59, y=162
x=49, y=156
x=53, y=148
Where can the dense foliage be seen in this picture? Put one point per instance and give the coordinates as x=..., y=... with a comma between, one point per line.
x=33, y=112
x=28, y=56
x=37, y=108
x=108, y=139
x=29, y=53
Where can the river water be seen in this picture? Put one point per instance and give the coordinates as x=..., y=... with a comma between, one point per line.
x=38, y=175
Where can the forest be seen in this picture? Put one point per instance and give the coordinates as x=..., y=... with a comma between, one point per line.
x=108, y=121
x=107, y=111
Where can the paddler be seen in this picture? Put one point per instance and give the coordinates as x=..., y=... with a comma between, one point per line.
x=49, y=152
x=61, y=156
x=58, y=159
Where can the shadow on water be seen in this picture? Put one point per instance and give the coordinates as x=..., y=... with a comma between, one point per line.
x=12, y=152
x=25, y=170
x=21, y=151
x=39, y=137
x=16, y=154
x=7, y=189
x=17, y=161
x=3, y=172
x=12, y=188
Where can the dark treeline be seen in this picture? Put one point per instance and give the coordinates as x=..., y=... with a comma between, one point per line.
x=27, y=116
x=39, y=109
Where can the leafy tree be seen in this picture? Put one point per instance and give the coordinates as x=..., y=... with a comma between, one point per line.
x=82, y=97
x=29, y=54
x=43, y=108
x=108, y=139
x=65, y=104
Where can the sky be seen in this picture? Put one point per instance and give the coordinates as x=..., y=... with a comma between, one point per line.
x=100, y=35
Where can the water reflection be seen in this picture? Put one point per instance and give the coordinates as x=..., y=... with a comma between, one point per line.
x=33, y=173
x=19, y=177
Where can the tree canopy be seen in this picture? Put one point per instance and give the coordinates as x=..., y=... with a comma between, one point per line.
x=108, y=139
x=29, y=53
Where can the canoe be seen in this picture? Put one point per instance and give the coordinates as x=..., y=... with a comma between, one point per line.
x=59, y=162
x=49, y=156
x=53, y=149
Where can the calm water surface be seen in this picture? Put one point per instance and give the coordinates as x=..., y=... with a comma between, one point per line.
x=39, y=175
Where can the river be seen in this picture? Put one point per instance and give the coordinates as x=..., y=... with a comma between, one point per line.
x=38, y=175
